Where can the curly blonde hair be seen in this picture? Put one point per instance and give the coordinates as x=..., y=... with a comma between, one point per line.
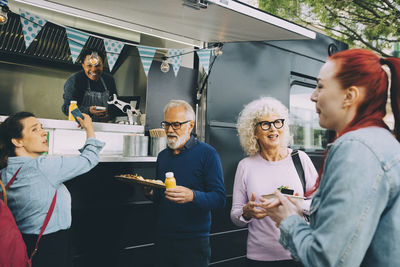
x=249, y=117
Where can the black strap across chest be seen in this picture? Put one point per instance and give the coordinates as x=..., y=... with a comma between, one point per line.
x=299, y=168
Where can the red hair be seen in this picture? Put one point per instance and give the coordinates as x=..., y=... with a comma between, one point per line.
x=363, y=68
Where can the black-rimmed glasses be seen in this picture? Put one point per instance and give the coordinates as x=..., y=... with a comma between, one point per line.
x=176, y=125
x=266, y=125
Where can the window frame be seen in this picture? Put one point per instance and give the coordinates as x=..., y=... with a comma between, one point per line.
x=310, y=82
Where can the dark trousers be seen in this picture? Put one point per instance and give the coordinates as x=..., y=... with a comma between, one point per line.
x=193, y=252
x=53, y=249
x=284, y=263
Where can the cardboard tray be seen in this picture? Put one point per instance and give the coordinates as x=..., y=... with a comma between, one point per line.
x=269, y=196
x=137, y=181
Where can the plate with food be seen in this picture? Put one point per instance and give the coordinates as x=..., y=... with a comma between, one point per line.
x=134, y=178
x=286, y=191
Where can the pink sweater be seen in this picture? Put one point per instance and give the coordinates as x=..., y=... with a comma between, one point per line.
x=255, y=174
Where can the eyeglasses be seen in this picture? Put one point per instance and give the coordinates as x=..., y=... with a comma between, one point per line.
x=266, y=125
x=176, y=125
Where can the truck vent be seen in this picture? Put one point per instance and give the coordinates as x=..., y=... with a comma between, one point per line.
x=50, y=44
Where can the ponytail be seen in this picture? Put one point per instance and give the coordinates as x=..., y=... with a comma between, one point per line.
x=394, y=65
x=9, y=129
x=360, y=67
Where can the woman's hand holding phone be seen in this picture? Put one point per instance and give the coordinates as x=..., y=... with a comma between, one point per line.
x=87, y=124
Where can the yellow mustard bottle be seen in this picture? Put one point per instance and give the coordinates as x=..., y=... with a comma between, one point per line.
x=72, y=105
x=170, y=180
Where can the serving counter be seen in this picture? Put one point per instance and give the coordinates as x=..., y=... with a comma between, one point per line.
x=65, y=138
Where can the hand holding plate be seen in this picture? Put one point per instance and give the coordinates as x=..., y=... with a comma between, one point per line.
x=281, y=207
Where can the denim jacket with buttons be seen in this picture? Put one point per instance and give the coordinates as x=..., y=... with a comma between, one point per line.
x=355, y=213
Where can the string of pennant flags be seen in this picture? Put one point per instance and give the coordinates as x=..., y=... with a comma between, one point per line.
x=32, y=25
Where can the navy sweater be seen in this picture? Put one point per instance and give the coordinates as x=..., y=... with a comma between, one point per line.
x=198, y=168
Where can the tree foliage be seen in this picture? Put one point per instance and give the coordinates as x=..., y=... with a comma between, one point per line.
x=373, y=24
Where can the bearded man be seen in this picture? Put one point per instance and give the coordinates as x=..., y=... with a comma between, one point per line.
x=184, y=222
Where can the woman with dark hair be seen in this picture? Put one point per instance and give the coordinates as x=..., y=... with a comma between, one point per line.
x=38, y=179
x=355, y=212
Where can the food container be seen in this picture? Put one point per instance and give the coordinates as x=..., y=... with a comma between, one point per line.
x=125, y=119
x=296, y=199
x=157, y=144
x=135, y=146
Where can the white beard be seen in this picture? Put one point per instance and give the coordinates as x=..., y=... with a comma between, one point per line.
x=180, y=140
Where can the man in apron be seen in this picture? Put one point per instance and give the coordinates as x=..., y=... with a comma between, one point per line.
x=90, y=87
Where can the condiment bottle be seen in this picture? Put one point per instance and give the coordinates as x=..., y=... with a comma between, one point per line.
x=72, y=105
x=170, y=180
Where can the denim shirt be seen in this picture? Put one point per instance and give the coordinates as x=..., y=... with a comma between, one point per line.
x=30, y=195
x=355, y=213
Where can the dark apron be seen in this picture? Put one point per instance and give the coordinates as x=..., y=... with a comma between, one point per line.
x=94, y=98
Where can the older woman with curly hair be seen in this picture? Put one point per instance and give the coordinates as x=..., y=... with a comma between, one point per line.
x=264, y=135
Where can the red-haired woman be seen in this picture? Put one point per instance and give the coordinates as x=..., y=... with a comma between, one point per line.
x=355, y=212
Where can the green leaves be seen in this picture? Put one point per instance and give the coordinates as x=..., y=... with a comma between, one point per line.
x=282, y=187
x=373, y=24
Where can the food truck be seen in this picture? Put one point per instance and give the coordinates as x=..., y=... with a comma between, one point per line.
x=251, y=54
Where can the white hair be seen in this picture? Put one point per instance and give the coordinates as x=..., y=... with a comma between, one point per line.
x=249, y=117
x=181, y=103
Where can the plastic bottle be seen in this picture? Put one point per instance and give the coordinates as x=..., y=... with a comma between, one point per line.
x=170, y=180
x=72, y=105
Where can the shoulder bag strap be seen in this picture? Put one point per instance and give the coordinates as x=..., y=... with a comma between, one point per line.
x=46, y=221
x=3, y=191
x=4, y=188
x=13, y=178
x=299, y=168
x=49, y=213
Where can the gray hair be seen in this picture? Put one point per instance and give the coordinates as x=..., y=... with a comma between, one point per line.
x=248, y=119
x=190, y=115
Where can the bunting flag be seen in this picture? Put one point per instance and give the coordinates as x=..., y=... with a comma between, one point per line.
x=113, y=49
x=146, y=55
x=204, y=58
x=3, y=2
x=76, y=40
x=175, y=59
x=31, y=26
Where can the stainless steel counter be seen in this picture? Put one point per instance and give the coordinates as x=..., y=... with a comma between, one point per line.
x=117, y=158
x=98, y=126
x=65, y=138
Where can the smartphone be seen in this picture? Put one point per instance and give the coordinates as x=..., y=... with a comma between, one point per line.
x=77, y=113
x=100, y=108
x=287, y=191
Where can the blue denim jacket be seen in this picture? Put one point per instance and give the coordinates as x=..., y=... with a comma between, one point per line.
x=355, y=213
x=30, y=195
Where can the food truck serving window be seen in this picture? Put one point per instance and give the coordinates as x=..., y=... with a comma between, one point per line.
x=305, y=130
